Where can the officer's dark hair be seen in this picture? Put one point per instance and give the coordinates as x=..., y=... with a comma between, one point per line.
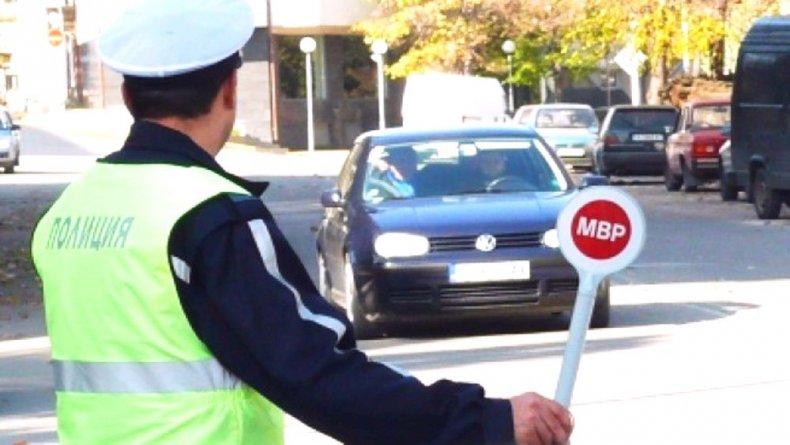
x=186, y=96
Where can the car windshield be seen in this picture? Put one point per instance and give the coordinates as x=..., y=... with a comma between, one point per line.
x=566, y=118
x=644, y=121
x=710, y=116
x=447, y=168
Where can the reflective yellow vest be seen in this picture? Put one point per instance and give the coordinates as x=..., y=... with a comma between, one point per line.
x=129, y=369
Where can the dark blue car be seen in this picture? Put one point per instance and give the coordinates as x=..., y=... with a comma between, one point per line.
x=429, y=225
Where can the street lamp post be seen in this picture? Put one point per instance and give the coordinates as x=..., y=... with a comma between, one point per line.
x=509, y=47
x=379, y=48
x=308, y=45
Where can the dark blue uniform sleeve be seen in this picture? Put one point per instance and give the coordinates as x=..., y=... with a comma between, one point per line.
x=251, y=301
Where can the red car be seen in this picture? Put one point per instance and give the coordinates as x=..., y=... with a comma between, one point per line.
x=693, y=150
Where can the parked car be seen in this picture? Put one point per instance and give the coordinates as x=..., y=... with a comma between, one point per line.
x=10, y=142
x=693, y=150
x=633, y=140
x=761, y=116
x=570, y=129
x=430, y=225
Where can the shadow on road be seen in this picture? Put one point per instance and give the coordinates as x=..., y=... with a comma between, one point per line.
x=632, y=315
x=421, y=361
x=622, y=316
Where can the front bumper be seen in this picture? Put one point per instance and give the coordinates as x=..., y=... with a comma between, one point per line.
x=420, y=290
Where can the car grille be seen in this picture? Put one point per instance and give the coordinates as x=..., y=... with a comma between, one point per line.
x=411, y=295
x=507, y=240
x=557, y=286
x=472, y=295
x=468, y=295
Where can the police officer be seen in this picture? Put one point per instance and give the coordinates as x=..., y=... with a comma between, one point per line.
x=179, y=314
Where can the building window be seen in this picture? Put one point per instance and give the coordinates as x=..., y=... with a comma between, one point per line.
x=359, y=70
x=291, y=62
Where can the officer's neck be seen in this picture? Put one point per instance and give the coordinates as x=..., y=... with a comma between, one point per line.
x=208, y=133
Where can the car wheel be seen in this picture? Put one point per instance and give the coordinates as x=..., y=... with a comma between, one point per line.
x=363, y=329
x=324, y=285
x=672, y=181
x=727, y=190
x=602, y=308
x=9, y=169
x=690, y=182
x=767, y=202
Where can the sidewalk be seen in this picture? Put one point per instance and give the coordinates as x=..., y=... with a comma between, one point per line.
x=102, y=131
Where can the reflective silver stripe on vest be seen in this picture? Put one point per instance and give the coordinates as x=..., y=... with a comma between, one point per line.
x=142, y=377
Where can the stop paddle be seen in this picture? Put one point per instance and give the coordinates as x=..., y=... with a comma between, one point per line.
x=601, y=231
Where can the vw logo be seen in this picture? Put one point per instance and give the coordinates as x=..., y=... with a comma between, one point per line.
x=485, y=243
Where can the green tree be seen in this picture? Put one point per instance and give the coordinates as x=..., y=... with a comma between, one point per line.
x=447, y=35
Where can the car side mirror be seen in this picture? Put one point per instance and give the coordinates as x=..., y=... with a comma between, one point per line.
x=15, y=127
x=331, y=199
x=590, y=180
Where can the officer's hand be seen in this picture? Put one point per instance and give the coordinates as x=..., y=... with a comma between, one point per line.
x=540, y=421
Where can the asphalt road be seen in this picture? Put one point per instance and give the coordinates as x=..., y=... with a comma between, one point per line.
x=695, y=355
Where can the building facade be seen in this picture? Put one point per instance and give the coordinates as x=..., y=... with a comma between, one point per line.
x=272, y=104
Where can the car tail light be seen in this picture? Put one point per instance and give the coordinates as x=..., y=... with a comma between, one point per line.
x=704, y=148
x=610, y=139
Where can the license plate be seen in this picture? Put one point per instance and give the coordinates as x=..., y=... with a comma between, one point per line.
x=647, y=137
x=570, y=152
x=486, y=272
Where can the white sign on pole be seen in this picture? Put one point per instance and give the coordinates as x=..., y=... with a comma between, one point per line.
x=601, y=231
x=629, y=59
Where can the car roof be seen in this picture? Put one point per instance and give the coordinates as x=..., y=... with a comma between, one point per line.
x=469, y=131
x=769, y=30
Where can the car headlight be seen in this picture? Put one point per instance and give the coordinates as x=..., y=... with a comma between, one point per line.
x=5, y=144
x=401, y=245
x=551, y=239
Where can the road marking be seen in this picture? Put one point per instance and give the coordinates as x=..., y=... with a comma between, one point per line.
x=24, y=345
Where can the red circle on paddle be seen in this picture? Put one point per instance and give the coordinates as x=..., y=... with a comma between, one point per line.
x=601, y=229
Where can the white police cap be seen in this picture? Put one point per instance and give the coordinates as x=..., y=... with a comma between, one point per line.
x=162, y=38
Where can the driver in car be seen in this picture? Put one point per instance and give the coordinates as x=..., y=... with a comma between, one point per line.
x=491, y=166
x=397, y=169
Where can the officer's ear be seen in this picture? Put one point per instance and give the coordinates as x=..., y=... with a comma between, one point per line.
x=126, y=99
x=228, y=91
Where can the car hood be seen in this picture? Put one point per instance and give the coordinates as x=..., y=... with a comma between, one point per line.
x=566, y=136
x=472, y=214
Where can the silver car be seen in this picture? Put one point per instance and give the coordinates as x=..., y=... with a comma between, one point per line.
x=570, y=129
x=10, y=142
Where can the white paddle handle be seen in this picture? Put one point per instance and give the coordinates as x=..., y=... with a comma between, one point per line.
x=580, y=321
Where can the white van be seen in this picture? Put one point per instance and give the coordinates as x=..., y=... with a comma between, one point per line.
x=440, y=99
